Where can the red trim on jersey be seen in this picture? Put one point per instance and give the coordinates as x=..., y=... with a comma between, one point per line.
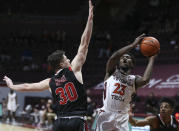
x=86, y=126
x=70, y=68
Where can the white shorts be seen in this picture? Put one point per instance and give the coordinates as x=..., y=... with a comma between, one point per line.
x=11, y=106
x=112, y=121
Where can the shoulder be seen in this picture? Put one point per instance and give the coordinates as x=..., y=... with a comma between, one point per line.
x=106, y=76
x=131, y=77
x=110, y=78
x=137, y=76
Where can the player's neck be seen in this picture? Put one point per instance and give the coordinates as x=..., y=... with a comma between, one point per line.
x=124, y=71
x=167, y=119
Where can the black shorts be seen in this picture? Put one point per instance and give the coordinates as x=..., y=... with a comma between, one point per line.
x=70, y=124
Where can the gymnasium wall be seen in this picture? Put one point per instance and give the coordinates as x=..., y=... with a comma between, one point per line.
x=21, y=96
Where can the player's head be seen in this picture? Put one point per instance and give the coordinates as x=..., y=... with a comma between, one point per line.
x=166, y=107
x=126, y=62
x=58, y=60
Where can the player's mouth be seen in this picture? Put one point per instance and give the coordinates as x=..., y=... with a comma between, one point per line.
x=163, y=112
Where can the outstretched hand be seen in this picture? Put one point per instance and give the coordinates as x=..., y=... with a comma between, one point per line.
x=90, y=10
x=8, y=81
x=138, y=39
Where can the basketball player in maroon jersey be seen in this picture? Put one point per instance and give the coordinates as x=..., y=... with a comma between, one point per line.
x=66, y=85
x=164, y=121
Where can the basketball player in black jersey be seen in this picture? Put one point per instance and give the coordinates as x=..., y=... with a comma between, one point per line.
x=66, y=85
x=161, y=122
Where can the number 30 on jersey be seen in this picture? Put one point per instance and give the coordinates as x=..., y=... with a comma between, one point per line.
x=68, y=93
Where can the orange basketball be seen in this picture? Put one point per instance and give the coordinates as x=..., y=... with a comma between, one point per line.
x=149, y=46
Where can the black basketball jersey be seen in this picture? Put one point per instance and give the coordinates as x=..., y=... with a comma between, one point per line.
x=163, y=127
x=68, y=93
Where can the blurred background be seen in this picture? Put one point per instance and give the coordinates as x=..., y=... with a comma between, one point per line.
x=31, y=30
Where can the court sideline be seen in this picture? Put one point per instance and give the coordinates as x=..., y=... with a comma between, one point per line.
x=7, y=127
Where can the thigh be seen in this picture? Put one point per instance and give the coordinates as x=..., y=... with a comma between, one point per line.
x=105, y=121
x=73, y=124
x=122, y=123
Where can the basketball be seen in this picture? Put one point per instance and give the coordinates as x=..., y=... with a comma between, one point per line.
x=149, y=46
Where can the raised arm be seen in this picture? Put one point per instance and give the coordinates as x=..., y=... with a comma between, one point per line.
x=80, y=58
x=140, y=81
x=40, y=86
x=111, y=63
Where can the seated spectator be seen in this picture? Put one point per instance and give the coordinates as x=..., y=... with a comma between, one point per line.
x=49, y=114
x=35, y=115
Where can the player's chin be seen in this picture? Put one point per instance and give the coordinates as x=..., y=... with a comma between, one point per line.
x=163, y=113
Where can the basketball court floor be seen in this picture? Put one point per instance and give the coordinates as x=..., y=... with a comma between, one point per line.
x=7, y=127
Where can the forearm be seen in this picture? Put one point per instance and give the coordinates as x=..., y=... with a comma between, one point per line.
x=122, y=51
x=25, y=87
x=85, y=40
x=135, y=122
x=148, y=71
x=20, y=87
x=86, y=36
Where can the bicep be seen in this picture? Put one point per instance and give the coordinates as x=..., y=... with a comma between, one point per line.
x=111, y=65
x=139, y=82
x=78, y=61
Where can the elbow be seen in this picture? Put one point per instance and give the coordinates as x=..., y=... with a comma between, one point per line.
x=145, y=81
x=85, y=39
x=133, y=123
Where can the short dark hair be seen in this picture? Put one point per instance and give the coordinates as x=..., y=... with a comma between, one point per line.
x=169, y=101
x=55, y=58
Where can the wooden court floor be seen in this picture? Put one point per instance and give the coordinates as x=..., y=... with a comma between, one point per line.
x=7, y=127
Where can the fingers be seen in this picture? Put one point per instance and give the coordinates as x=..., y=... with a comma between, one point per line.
x=90, y=10
x=90, y=4
x=5, y=77
x=142, y=35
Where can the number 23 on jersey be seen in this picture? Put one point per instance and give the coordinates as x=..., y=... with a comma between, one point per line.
x=120, y=89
